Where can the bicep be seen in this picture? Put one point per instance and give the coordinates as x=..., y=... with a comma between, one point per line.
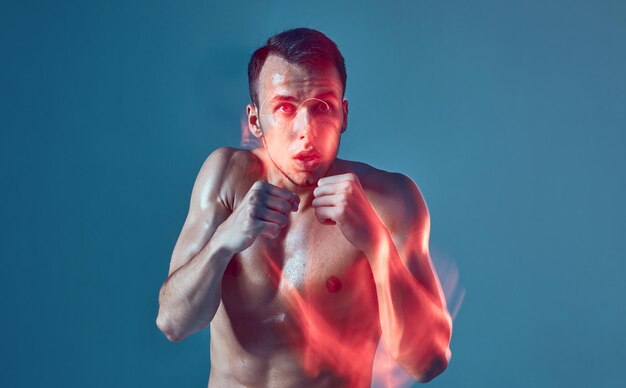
x=411, y=235
x=414, y=253
x=207, y=209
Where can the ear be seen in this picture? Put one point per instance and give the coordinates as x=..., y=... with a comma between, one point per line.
x=253, y=120
x=344, y=107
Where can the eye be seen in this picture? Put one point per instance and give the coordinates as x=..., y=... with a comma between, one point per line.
x=286, y=108
x=323, y=107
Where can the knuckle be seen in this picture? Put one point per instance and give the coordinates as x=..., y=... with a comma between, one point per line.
x=287, y=205
x=254, y=197
x=254, y=212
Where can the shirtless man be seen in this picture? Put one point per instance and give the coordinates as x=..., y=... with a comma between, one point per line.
x=299, y=261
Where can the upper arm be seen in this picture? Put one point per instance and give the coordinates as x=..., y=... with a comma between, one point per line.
x=410, y=231
x=207, y=208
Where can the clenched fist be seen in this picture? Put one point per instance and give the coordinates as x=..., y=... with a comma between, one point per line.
x=263, y=211
x=340, y=200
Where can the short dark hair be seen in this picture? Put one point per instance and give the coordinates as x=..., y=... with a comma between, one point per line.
x=302, y=46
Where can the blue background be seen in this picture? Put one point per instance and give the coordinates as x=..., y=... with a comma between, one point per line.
x=510, y=116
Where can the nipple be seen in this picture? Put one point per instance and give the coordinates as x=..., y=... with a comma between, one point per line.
x=234, y=268
x=333, y=284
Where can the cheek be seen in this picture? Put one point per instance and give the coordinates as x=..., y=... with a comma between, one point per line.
x=328, y=147
x=331, y=122
x=279, y=144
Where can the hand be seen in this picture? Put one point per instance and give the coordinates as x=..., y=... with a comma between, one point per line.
x=263, y=211
x=340, y=200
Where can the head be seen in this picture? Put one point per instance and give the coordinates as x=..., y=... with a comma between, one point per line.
x=298, y=111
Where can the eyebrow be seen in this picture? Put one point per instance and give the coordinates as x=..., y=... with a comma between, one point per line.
x=283, y=98
x=324, y=95
x=320, y=96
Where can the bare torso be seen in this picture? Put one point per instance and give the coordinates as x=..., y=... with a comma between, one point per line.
x=300, y=310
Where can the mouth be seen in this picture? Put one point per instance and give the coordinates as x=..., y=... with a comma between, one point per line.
x=308, y=160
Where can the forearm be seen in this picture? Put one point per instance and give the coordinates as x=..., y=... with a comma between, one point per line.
x=191, y=295
x=415, y=323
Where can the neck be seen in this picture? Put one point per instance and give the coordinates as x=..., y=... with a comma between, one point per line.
x=277, y=178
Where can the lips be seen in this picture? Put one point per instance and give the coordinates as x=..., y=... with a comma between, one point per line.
x=307, y=155
x=308, y=160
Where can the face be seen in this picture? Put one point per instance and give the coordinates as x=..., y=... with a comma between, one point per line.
x=300, y=118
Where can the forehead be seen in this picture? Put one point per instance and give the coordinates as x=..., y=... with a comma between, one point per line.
x=279, y=77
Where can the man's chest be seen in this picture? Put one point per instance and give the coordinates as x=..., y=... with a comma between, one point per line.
x=309, y=266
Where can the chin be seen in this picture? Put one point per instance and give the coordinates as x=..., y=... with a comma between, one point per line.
x=304, y=178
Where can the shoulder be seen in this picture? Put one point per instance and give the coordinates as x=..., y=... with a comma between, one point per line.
x=231, y=158
x=226, y=170
x=217, y=166
x=396, y=198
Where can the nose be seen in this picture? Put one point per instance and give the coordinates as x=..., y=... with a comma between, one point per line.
x=305, y=125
